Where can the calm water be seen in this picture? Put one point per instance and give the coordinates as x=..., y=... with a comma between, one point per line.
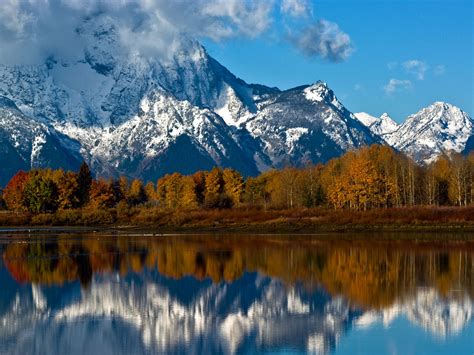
x=105, y=294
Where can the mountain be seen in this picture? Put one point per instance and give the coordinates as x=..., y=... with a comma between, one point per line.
x=432, y=131
x=145, y=116
x=382, y=126
x=141, y=117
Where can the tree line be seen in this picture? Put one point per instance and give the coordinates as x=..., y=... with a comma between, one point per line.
x=367, y=178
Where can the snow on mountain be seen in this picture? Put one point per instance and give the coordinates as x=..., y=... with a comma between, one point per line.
x=381, y=126
x=306, y=124
x=432, y=131
x=26, y=143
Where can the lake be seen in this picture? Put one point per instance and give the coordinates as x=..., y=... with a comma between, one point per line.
x=104, y=293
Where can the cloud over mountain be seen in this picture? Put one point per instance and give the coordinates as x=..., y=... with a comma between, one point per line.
x=31, y=31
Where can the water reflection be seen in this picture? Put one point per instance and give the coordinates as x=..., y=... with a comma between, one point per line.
x=233, y=294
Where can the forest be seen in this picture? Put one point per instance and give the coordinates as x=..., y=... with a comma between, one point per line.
x=370, y=178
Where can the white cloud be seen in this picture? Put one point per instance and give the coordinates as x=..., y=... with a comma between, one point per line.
x=295, y=8
x=416, y=67
x=395, y=85
x=324, y=39
x=31, y=30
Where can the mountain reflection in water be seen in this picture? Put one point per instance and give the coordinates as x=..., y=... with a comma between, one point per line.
x=227, y=294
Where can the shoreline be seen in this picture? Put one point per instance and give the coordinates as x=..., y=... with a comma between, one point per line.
x=374, y=232
x=409, y=221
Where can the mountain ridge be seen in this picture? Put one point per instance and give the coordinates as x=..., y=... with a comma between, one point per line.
x=133, y=116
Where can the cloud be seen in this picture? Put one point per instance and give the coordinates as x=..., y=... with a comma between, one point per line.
x=295, y=8
x=395, y=85
x=323, y=39
x=32, y=30
x=416, y=67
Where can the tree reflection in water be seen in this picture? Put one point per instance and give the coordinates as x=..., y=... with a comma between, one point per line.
x=245, y=292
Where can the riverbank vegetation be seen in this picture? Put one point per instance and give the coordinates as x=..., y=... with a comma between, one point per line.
x=372, y=185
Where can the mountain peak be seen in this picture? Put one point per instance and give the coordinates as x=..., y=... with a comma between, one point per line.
x=380, y=126
x=436, y=129
x=320, y=92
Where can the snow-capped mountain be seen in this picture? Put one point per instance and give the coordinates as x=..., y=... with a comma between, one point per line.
x=434, y=130
x=128, y=114
x=306, y=124
x=381, y=126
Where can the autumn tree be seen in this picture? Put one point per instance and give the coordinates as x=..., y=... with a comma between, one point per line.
x=459, y=186
x=150, y=192
x=189, y=199
x=215, y=196
x=101, y=194
x=40, y=194
x=13, y=192
x=137, y=193
x=233, y=185
x=68, y=190
x=256, y=193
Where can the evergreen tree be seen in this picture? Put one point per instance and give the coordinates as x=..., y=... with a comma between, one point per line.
x=84, y=180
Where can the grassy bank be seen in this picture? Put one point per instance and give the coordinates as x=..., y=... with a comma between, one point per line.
x=248, y=220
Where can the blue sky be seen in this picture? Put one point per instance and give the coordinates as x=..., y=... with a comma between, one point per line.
x=425, y=47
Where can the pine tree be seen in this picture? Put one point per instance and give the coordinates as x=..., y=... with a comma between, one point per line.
x=84, y=180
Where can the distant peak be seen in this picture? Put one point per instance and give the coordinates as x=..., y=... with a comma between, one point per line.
x=319, y=83
x=319, y=91
x=443, y=105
